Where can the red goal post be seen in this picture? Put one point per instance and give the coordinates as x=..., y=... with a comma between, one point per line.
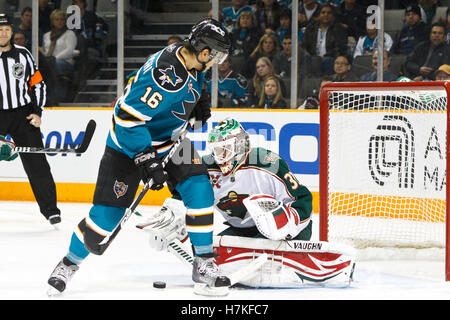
x=383, y=164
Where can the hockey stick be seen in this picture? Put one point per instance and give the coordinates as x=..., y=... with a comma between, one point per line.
x=180, y=250
x=98, y=249
x=88, y=133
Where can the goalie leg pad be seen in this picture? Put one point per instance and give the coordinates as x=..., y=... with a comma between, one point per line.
x=287, y=269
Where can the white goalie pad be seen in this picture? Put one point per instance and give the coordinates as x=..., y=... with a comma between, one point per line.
x=290, y=264
x=273, y=219
x=167, y=224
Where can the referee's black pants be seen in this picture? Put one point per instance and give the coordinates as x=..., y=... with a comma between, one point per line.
x=15, y=123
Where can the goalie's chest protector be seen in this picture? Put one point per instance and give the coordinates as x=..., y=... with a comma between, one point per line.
x=249, y=179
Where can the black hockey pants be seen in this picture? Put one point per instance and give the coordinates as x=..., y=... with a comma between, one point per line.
x=14, y=123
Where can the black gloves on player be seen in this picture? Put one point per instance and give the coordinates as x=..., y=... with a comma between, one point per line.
x=150, y=167
x=202, y=110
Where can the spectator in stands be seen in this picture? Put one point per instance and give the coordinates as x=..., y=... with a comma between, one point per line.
x=59, y=47
x=326, y=39
x=44, y=16
x=268, y=16
x=231, y=85
x=25, y=26
x=287, y=4
x=20, y=38
x=60, y=43
x=388, y=75
x=308, y=11
x=285, y=26
x=245, y=36
x=343, y=70
x=272, y=97
x=173, y=39
x=264, y=68
x=367, y=44
x=352, y=16
x=443, y=73
x=94, y=30
x=446, y=22
x=333, y=3
x=428, y=10
x=413, y=32
x=312, y=101
x=267, y=47
x=92, y=38
x=282, y=60
x=231, y=14
x=219, y=18
x=428, y=55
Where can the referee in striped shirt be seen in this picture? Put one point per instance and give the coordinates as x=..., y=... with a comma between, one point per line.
x=22, y=99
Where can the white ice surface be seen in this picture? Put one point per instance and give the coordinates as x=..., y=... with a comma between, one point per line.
x=30, y=248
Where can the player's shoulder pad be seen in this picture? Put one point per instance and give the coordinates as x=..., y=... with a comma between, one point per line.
x=268, y=160
x=169, y=73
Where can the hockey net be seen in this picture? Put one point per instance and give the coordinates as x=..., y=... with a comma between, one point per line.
x=383, y=164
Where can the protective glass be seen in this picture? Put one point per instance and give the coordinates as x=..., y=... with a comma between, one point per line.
x=217, y=56
x=223, y=151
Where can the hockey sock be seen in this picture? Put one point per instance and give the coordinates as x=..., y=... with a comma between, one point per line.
x=92, y=229
x=200, y=215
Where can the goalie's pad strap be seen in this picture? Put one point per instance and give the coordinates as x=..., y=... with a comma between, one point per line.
x=283, y=245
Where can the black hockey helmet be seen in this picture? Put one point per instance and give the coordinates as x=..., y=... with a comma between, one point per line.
x=4, y=20
x=210, y=34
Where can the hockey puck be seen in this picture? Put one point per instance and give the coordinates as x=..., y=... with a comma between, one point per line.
x=159, y=284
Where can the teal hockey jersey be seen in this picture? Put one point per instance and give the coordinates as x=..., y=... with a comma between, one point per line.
x=156, y=103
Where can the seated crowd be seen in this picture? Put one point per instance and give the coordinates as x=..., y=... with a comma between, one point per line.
x=334, y=38
x=68, y=55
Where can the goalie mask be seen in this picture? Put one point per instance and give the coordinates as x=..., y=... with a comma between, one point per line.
x=229, y=144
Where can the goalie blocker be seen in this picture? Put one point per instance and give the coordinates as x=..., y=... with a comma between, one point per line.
x=290, y=264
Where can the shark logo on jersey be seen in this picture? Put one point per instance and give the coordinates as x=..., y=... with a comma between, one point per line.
x=120, y=188
x=169, y=76
x=188, y=106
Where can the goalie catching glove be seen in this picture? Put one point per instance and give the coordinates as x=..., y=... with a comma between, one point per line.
x=166, y=225
x=150, y=167
x=7, y=149
x=275, y=220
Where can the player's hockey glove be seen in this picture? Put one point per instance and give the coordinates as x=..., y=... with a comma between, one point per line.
x=202, y=110
x=150, y=167
x=6, y=149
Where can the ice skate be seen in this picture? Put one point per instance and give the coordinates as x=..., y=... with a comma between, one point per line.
x=207, y=278
x=55, y=220
x=59, y=278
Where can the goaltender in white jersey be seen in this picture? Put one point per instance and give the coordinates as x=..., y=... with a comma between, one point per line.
x=266, y=210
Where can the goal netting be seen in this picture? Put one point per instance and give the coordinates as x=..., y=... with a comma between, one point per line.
x=383, y=159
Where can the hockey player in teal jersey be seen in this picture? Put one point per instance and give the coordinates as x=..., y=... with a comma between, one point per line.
x=156, y=105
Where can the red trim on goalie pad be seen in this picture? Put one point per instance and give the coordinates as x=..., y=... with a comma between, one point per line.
x=316, y=266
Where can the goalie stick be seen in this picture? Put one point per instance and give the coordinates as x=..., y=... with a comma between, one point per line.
x=104, y=244
x=181, y=251
x=88, y=133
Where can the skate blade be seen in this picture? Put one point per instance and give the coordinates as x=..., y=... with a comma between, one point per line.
x=204, y=290
x=52, y=292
